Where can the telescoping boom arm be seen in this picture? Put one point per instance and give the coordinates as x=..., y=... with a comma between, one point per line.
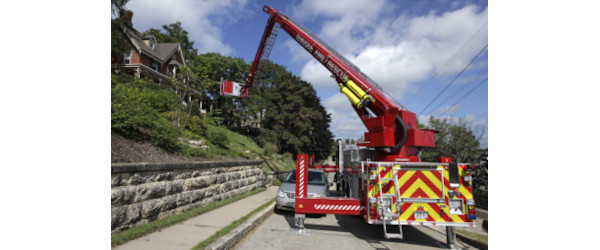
x=389, y=127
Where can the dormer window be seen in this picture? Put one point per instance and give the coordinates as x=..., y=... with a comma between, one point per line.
x=150, y=41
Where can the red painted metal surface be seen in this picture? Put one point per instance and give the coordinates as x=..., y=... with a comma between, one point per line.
x=302, y=164
x=348, y=206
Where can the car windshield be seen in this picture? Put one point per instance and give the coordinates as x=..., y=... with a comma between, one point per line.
x=314, y=178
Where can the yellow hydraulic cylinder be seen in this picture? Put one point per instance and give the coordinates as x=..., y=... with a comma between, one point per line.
x=361, y=94
x=353, y=99
x=356, y=89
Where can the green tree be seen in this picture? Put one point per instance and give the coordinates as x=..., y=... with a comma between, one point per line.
x=294, y=113
x=210, y=69
x=174, y=33
x=459, y=140
x=118, y=42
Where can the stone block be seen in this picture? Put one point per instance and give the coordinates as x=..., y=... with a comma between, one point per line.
x=199, y=182
x=137, y=179
x=220, y=178
x=151, y=191
x=198, y=195
x=174, y=187
x=117, y=216
x=164, y=176
x=168, y=203
x=212, y=190
x=184, y=198
x=183, y=175
x=122, y=195
x=134, y=213
x=150, y=208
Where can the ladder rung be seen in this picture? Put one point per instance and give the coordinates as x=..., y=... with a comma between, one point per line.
x=386, y=179
x=389, y=195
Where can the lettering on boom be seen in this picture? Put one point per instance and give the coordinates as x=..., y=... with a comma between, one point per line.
x=319, y=55
x=304, y=43
x=336, y=70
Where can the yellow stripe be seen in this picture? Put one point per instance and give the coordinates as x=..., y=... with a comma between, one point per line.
x=406, y=176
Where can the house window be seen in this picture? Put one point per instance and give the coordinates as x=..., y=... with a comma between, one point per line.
x=151, y=43
x=154, y=65
x=127, y=58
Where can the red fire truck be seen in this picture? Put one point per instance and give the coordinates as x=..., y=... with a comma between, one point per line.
x=382, y=179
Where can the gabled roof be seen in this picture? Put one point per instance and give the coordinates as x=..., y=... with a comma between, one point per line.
x=167, y=49
x=162, y=51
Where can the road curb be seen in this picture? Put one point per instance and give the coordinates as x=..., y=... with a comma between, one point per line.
x=229, y=240
x=471, y=241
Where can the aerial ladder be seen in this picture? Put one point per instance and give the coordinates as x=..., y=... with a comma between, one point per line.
x=374, y=173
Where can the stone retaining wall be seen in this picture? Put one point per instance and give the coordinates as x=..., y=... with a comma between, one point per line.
x=143, y=192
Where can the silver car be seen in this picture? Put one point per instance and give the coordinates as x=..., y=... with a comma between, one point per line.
x=317, y=187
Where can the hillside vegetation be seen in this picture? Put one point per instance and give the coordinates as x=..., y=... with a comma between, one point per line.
x=150, y=125
x=281, y=117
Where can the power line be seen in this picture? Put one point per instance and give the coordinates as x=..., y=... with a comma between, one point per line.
x=448, y=61
x=480, y=73
x=462, y=98
x=463, y=70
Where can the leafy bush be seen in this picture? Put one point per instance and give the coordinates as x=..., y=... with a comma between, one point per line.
x=197, y=125
x=270, y=149
x=276, y=182
x=129, y=116
x=192, y=123
x=217, y=137
x=164, y=135
x=136, y=104
x=192, y=152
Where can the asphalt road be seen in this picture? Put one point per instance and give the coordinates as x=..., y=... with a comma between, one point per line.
x=339, y=232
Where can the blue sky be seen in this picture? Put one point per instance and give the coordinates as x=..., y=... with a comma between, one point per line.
x=413, y=49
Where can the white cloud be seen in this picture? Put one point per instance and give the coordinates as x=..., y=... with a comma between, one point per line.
x=395, y=50
x=344, y=121
x=202, y=19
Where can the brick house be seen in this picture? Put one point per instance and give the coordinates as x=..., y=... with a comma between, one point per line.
x=148, y=58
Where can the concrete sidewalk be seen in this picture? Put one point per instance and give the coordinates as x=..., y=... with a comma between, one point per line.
x=189, y=233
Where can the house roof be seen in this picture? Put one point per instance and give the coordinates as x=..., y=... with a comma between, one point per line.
x=167, y=49
x=161, y=52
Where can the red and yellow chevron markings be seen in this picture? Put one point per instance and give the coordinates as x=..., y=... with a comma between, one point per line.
x=420, y=184
x=425, y=184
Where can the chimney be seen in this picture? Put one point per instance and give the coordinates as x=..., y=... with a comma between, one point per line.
x=127, y=17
